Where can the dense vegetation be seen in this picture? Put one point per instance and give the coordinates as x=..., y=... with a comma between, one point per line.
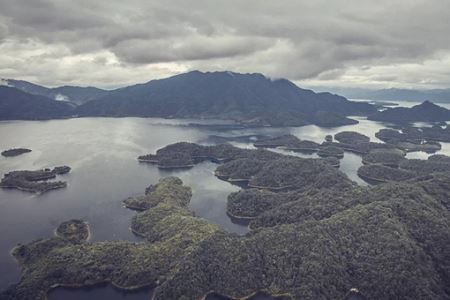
x=425, y=112
x=315, y=233
x=374, y=173
x=351, y=137
x=250, y=98
x=331, y=151
x=287, y=140
x=75, y=231
x=415, y=139
x=389, y=165
x=34, y=181
x=387, y=157
x=389, y=242
x=185, y=154
x=18, y=105
x=434, y=163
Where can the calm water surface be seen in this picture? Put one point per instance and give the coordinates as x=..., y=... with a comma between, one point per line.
x=102, y=153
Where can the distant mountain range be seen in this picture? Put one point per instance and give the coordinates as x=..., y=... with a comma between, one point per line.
x=425, y=112
x=435, y=95
x=249, y=98
x=73, y=94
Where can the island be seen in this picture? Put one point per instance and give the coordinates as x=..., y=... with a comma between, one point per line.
x=351, y=137
x=346, y=140
x=331, y=151
x=376, y=173
x=412, y=139
x=75, y=231
x=424, y=112
x=35, y=181
x=434, y=163
x=254, y=168
x=185, y=155
x=387, y=157
x=15, y=152
x=365, y=233
x=392, y=168
x=281, y=172
x=288, y=142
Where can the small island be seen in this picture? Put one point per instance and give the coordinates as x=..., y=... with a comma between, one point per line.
x=35, y=181
x=351, y=137
x=15, y=152
x=383, y=167
x=331, y=151
x=75, y=231
x=387, y=157
x=376, y=173
x=412, y=139
x=274, y=171
x=186, y=155
x=288, y=142
x=434, y=163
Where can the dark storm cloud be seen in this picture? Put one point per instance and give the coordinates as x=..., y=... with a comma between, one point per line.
x=195, y=48
x=312, y=41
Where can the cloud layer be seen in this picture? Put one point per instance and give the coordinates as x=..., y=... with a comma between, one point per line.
x=402, y=43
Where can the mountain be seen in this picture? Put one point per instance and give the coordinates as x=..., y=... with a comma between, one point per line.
x=435, y=95
x=79, y=95
x=74, y=94
x=252, y=98
x=425, y=112
x=18, y=105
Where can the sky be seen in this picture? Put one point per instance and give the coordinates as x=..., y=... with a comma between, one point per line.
x=315, y=43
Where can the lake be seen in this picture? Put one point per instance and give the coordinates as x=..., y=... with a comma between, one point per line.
x=102, y=153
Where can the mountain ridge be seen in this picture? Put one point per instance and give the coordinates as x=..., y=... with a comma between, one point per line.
x=19, y=105
x=74, y=94
x=391, y=94
x=424, y=112
x=227, y=95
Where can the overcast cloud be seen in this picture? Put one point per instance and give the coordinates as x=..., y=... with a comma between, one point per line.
x=109, y=43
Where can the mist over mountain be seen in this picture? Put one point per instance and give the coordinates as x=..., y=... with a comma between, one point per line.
x=74, y=94
x=18, y=105
x=251, y=99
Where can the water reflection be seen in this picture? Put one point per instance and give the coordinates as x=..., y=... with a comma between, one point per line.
x=102, y=153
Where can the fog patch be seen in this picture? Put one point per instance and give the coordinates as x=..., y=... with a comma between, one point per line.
x=5, y=82
x=61, y=97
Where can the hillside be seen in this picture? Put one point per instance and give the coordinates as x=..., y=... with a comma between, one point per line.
x=435, y=95
x=18, y=105
x=425, y=112
x=74, y=94
x=252, y=98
